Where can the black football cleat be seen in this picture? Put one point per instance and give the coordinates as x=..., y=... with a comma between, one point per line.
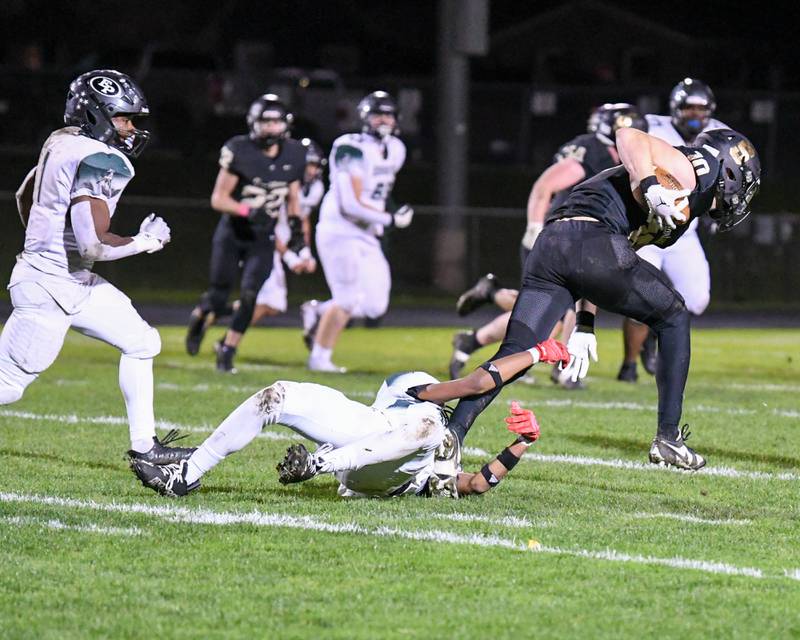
x=464, y=344
x=649, y=354
x=675, y=453
x=627, y=372
x=160, y=453
x=482, y=293
x=199, y=322
x=225, y=354
x=297, y=465
x=169, y=480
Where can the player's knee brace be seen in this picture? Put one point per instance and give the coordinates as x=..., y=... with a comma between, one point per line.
x=244, y=314
x=147, y=346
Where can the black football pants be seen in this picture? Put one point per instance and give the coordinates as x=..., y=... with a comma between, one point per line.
x=228, y=252
x=580, y=259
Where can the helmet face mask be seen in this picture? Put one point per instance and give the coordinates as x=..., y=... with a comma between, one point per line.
x=692, y=105
x=607, y=119
x=370, y=110
x=97, y=97
x=739, y=178
x=269, y=120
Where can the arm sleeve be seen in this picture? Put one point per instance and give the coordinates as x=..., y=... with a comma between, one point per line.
x=89, y=245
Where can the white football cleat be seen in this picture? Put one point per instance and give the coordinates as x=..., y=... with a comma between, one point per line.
x=325, y=366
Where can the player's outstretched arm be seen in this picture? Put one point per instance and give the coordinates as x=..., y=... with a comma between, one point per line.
x=492, y=374
x=90, y=220
x=561, y=175
x=522, y=422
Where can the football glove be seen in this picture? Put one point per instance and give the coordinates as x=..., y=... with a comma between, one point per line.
x=153, y=234
x=661, y=203
x=532, y=232
x=582, y=345
x=403, y=216
x=551, y=351
x=523, y=423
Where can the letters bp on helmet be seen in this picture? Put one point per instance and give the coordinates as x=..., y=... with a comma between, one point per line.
x=377, y=103
x=691, y=92
x=739, y=177
x=608, y=118
x=268, y=107
x=97, y=96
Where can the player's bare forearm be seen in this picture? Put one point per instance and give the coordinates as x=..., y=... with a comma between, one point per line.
x=557, y=177
x=293, y=199
x=475, y=483
x=479, y=381
x=102, y=221
x=222, y=199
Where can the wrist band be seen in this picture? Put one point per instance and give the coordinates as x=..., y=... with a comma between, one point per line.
x=507, y=459
x=584, y=320
x=646, y=183
x=243, y=210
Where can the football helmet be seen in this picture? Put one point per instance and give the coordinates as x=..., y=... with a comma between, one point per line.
x=739, y=177
x=691, y=92
x=378, y=103
x=314, y=153
x=608, y=118
x=95, y=97
x=268, y=107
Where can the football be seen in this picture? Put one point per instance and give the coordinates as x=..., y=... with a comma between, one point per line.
x=666, y=179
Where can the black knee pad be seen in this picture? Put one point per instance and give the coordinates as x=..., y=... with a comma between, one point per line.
x=216, y=300
x=244, y=314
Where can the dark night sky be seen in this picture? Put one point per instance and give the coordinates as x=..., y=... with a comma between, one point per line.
x=394, y=36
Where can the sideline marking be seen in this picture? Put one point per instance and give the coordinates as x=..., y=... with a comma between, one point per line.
x=58, y=525
x=226, y=518
x=685, y=517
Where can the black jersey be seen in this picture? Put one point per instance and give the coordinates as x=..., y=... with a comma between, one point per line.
x=607, y=197
x=592, y=155
x=263, y=181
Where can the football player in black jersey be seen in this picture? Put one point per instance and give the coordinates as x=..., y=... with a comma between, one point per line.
x=582, y=157
x=587, y=252
x=259, y=174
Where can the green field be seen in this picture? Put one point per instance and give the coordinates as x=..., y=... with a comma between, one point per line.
x=624, y=549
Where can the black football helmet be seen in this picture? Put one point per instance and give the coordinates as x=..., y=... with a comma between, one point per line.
x=691, y=92
x=739, y=177
x=97, y=96
x=377, y=103
x=314, y=154
x=608, y=118
x=268, y=107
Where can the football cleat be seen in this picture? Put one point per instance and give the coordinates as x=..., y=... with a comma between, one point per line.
x=299, y=464
x=168, y=480
x=225, y=356
x=160, y=453
x=627, y=372
x=482, y=293
x=463, y=346
x=199, y=322
x=649, y=354
x=675, y=453
x=309, y=313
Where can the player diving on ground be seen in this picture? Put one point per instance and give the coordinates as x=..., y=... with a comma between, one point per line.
x=398, y=445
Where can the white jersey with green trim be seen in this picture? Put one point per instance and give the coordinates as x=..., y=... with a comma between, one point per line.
x=70, y=165
x=375, y=162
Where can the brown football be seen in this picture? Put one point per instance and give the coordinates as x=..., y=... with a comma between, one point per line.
x=665, y=179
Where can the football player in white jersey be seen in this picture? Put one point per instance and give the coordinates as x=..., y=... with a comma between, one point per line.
x=691, y=105
x=399, y=445
x=67, y=202
x=293, y=237
x=352, y=219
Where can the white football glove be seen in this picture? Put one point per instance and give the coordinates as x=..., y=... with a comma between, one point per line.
x=532, y=232
x=153, y=234
x=581, y=346
x=403, y=216
x=292, y=260
x=661, y=202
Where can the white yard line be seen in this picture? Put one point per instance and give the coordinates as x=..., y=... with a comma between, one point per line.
x=208, y=366
x=308, y=523
x=58, y=525
x=508, y=521
x=685, y=517
x=562, y=459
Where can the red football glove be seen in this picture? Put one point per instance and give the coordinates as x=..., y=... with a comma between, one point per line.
x=523, y=423
x=553, y=351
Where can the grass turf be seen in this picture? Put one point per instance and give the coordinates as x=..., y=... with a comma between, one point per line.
x=626, y=550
